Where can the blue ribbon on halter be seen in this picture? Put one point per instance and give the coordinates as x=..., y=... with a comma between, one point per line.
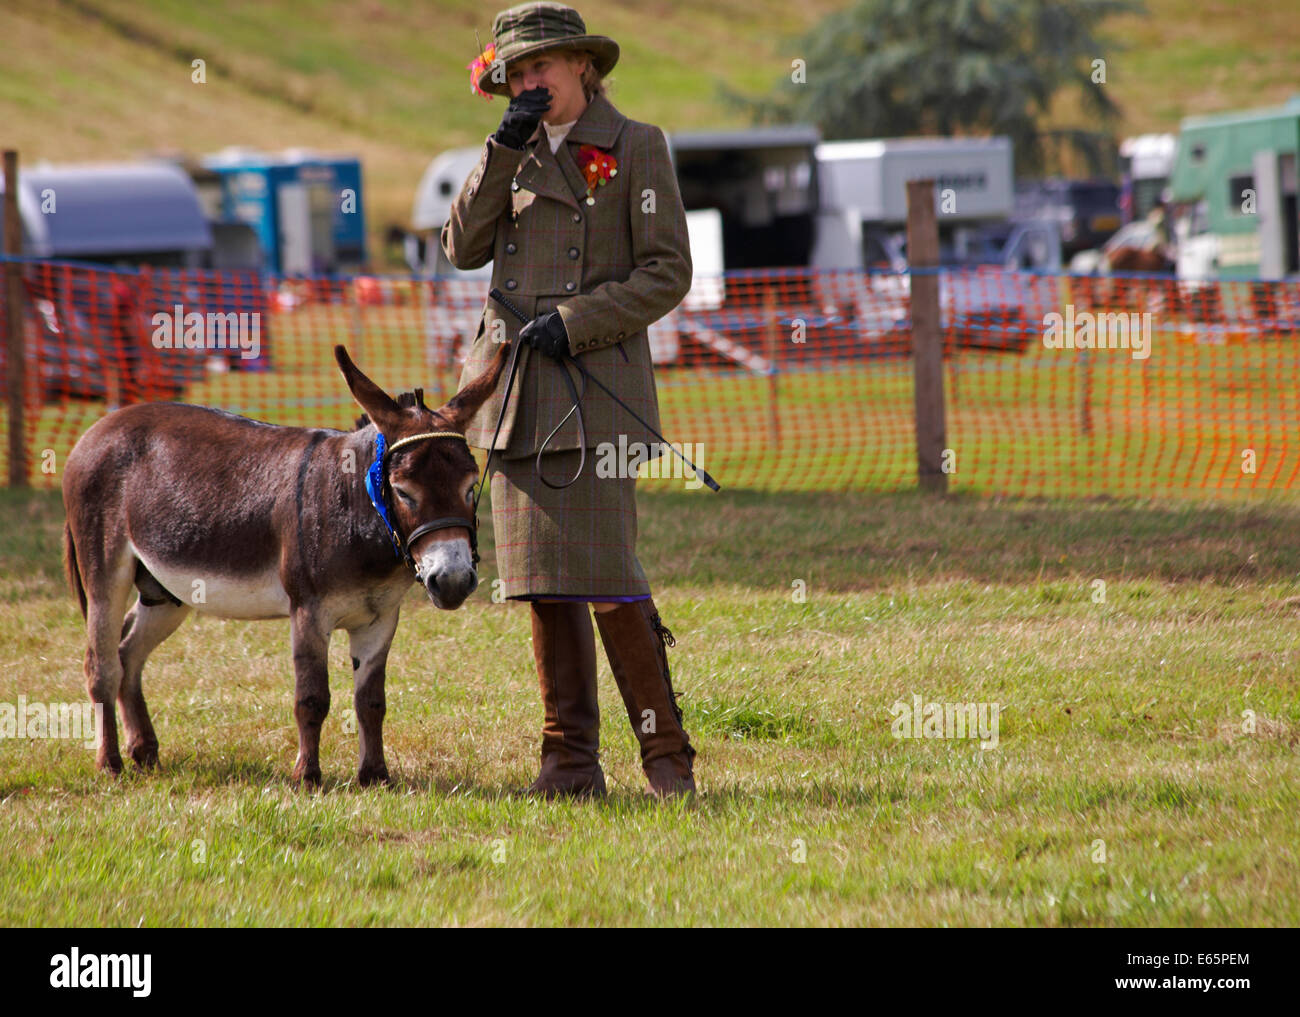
x=375, y=488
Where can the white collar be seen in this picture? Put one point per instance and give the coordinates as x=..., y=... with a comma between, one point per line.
x=555, y=133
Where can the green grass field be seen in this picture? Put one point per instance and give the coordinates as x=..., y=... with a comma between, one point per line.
x=1145, y=772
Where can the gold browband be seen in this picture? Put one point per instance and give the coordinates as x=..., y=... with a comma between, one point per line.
x=420, y=437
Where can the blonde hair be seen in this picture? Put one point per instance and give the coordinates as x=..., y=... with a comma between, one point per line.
x=593, y=84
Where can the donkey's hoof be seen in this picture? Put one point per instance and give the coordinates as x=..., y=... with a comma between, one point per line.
x=110, y=764
x=145, y=755
x=368, y=776
x=307, y=776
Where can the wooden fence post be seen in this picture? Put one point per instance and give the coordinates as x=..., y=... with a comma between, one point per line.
x=927, y=346
x=773, y=386
x=16, y=341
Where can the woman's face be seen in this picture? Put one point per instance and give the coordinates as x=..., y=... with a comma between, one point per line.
x=560, y=73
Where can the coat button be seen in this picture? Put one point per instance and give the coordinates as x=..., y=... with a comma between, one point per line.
x=511, y=284
x=622, y=334
x=573, y=253
x=577, y=217
x=570, y=286
x=511, y=248
x=469, y=190
x=514, y=185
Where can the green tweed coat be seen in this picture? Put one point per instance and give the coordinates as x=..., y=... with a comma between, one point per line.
x=611, y=268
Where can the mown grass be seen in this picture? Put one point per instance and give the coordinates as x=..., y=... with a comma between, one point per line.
x=1123, y=736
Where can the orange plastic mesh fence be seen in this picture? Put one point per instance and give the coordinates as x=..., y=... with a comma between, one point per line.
x=774, y=379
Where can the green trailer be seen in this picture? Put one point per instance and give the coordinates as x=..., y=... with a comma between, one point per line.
x=1234, y=190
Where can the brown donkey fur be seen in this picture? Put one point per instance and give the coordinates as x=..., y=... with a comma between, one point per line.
x=199, y=509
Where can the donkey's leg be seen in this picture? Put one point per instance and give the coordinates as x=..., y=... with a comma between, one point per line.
x=146, y=627
x=108, y=588
x=369, y=645
x=311, y=695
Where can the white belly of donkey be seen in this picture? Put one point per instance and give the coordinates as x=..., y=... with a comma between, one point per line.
x=259, y=595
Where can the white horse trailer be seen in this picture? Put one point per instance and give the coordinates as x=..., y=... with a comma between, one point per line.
x=862, y=223
x=456, y=296
x=775, y=197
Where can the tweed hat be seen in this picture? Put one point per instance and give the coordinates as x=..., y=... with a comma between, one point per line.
x=531, y=28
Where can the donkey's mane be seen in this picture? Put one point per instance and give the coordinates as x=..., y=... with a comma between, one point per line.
x=406, y=400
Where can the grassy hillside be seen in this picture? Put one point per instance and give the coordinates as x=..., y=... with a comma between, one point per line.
x=111, y=79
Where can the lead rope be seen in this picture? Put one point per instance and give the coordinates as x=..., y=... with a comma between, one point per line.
x=505, y=401
x=709, y=482
x=582, y=433
x=576, y=397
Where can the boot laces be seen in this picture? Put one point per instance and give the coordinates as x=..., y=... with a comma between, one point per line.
x=664, y=632
x=666, y=638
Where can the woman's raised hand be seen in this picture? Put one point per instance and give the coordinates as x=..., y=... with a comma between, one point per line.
x=522, y=116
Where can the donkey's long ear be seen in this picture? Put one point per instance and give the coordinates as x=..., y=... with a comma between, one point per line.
x=465, y=403
x=382, y=407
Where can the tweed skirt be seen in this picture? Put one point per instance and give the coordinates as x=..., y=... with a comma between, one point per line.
x=576, y=541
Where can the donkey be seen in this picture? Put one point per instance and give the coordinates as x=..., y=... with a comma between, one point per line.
x=200, y=509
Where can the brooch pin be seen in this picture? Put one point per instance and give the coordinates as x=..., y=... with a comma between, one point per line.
x=597, y=168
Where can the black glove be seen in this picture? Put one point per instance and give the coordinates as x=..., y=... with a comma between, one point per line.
x=522, y=116
x=547, y=334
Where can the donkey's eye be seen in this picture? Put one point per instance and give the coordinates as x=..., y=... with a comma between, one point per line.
x=404, y=496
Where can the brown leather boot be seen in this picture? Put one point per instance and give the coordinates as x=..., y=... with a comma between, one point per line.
x=635, y=640
x=564, y=647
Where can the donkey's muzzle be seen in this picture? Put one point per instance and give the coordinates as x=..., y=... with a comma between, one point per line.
x=446, y=569
x=448, y=588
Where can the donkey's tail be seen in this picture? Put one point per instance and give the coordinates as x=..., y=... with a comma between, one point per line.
x=71, y=568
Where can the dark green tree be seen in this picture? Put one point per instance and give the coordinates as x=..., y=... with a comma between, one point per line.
x=893, y=68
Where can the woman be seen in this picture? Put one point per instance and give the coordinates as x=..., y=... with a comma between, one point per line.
x=578, y=209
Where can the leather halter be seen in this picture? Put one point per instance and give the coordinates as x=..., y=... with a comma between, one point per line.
x=403, y=547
